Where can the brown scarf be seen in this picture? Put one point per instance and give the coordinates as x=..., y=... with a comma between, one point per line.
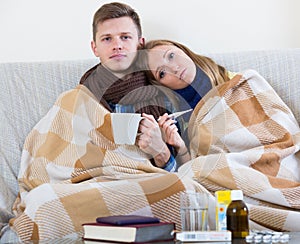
x=132, y=89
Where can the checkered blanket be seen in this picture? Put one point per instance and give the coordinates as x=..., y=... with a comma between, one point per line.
x=244, y=137
x=72, y=172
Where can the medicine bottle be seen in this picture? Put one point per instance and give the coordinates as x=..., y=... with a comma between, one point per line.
x=237, y=215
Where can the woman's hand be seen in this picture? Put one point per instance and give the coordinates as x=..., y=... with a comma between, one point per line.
x=170, y=132
x=150, y=140
x=173, y=138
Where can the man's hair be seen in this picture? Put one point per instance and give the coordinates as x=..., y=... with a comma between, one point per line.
x=115, y=10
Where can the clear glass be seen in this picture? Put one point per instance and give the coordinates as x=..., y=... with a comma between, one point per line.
x=124, y=108
x=194, y=211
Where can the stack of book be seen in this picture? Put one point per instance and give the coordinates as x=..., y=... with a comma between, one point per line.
x=129, y=229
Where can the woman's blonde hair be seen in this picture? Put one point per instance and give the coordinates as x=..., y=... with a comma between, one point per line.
x=216, y=73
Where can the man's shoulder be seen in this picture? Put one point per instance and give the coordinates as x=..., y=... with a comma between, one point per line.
x=88, y=73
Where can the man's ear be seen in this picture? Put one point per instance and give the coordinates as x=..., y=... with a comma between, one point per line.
x=94, y=48
x=142, y=42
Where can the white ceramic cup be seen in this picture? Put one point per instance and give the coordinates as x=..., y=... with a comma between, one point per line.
x=125, y=127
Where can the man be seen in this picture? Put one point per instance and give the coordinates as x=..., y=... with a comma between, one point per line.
x=117, y=36
x=70, y=162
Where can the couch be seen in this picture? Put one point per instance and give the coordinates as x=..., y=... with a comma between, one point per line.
x=28, y=90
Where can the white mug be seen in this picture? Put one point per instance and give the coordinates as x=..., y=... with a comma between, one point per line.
x=125, y=127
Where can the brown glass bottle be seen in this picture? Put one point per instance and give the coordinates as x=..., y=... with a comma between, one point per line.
x=237, y=215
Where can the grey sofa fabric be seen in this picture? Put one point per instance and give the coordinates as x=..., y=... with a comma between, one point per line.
x=28, y=90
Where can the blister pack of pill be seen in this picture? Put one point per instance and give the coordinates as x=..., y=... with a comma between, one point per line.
x=267, y=237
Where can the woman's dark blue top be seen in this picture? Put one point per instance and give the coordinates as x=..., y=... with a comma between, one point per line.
x=192, y=94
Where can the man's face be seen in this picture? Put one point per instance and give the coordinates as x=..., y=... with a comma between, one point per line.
x=116, y=44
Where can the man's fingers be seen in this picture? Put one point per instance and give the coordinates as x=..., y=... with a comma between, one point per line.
x=149, y=117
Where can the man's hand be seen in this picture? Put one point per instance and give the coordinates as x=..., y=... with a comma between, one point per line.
x=150, y=140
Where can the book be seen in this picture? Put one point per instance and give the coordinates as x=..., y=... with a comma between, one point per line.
x=132, y=233
x=127, y=219
x=111, y=242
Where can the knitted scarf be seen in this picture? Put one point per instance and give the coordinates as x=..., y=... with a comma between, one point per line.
x=193, y=93
x=133, y=89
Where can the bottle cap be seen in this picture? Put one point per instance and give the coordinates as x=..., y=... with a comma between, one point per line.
x=236, y=195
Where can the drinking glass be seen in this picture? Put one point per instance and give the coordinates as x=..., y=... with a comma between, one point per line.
x=194, y=211
x=125, y=108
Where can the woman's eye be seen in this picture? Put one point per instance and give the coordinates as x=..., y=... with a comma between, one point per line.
x=171, y=55
x=161, y=74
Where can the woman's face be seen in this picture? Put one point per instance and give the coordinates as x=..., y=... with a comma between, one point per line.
x=171, y=66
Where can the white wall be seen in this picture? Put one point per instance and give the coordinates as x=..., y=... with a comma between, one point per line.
x=39, y=30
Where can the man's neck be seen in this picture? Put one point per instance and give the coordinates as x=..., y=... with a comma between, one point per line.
x=122, y=74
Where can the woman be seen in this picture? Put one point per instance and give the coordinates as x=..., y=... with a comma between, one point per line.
x=190, y=75
x=241, y=134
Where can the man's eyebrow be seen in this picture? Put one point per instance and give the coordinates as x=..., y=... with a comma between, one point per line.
x=104, y=35
x=122, y=33
x=126, y=33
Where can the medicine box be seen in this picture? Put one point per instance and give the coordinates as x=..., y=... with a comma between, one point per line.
x=223, y=199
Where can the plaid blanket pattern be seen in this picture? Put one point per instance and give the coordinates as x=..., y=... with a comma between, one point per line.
x=244, y=137
x=72, y=172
